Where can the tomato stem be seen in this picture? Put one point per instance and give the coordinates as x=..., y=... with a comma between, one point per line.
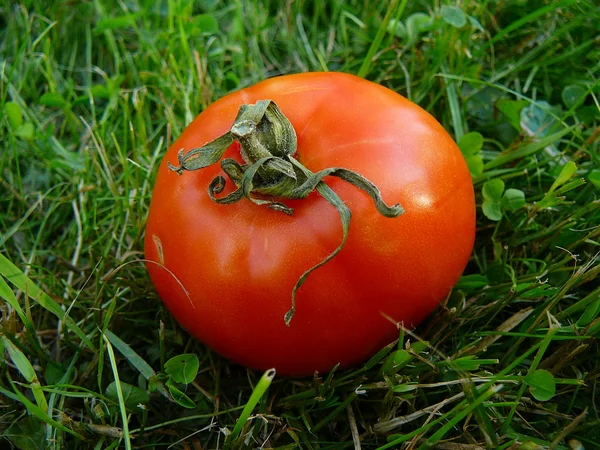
x=268, y=143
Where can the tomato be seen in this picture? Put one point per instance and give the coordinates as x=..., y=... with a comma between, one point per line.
x=226, y=271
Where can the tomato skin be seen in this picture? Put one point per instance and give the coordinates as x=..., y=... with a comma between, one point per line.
x=240, y=262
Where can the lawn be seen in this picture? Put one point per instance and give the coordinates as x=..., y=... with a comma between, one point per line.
x=93, y=92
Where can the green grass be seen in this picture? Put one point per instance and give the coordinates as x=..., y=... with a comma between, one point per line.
x=93, y=92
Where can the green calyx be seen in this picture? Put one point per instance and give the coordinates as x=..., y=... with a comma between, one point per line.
x=268, y=143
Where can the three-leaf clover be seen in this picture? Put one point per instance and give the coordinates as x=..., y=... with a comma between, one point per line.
x=179, y=370
x=470, y=145
x=497, y=200
x=542, y=385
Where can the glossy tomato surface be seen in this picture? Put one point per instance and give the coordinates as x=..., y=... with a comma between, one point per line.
x=226, y=272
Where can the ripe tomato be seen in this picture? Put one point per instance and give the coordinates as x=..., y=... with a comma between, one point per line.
x=226, y=271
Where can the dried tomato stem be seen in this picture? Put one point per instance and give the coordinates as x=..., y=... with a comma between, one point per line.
x=267, y=144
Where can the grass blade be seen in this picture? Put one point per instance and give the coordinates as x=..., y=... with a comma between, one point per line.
x=24, y=366
x=122, y=409
x=40, y=413
x=453, y=104
x=136, y=360
x=527, y=150
x=13, y=274
x=260, y=389
x=526, y=19
x=437, y=436
x=7, y=294
x=365, y=68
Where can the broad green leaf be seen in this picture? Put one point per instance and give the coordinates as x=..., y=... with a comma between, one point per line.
x=588, y=113
x=594, y=177
x=80, y=100
x=416, y=24
x=184, y=7
x=476, y=24
x=397, y=28
x=55, y=372
x=28, y=433
x=573, y=94
x=539, y=119
x=25, y=131
x=406, y=387
x=396, y=361
x=594, y=328
x=541, y=384
x=590, y=313
x=471, y=143
x=535, y=290
x=14, y=114
x=154, y=383
x=513, y=199
x=114, y=84
x=475, y=281
x=400, y=358
x=493, y=189
x=454, y=16
x=475, y=164
x=99, y=91
x=114, y=23
x=183, y=368
x=512, y=110
x=132, y=395
x=492, y=210
x=419, y=346
x=231, y=80
x=136, y=360
x=470, y=363
x=53, y=99
x=480, y=102
x=466, y=363
x=567, y=171
x=179, y=397
x=203, y=24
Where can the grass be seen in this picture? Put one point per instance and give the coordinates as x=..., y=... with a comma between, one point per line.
x=91, y=95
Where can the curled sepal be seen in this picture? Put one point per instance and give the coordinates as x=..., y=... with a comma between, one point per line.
x=216, y=187
x=345, y=216
x=204, y=156
x=247, y=186
x=244, y=178
x=313, y=180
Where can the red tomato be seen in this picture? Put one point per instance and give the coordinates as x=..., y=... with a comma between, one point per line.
x=226, y=272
